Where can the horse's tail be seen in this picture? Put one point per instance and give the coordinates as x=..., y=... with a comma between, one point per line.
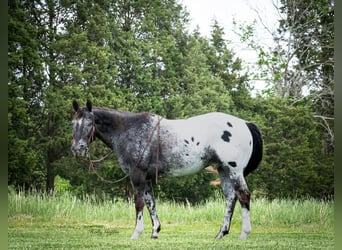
x=256, y=156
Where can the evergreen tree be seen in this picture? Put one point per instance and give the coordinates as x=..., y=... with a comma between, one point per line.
x=139, y=56
x=25, y=95
x=227, y=68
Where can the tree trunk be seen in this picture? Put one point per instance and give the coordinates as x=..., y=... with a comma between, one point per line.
x=50, y=175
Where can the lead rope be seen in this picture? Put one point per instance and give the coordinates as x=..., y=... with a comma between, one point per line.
x=93, y=168
x=149, y=140
x=91, y=162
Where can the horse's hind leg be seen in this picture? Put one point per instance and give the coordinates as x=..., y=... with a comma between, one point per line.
x=244, y=196
x=230, y=195
x=234, y=187
x=150, y=203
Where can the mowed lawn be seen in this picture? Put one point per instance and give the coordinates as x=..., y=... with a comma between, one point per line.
x=65, y=222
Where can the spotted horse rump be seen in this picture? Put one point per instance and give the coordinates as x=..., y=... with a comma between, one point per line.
x=149, y=146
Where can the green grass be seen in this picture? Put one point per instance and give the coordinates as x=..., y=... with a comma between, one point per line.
x=65, y=222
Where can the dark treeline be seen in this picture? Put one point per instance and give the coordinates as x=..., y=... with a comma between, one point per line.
x=140, y=56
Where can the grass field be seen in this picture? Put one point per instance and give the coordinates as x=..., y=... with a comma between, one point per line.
x=65, y=222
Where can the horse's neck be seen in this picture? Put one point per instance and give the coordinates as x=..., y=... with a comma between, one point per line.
x=108, y=124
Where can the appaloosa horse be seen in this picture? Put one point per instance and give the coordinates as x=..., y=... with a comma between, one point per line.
x=148, y=146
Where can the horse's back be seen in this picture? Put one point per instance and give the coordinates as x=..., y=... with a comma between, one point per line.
x=207, y=122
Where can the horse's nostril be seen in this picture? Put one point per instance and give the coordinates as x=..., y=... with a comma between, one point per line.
x=82, y=145
x=79, y=149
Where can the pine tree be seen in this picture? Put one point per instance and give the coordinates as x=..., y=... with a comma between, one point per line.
x=25, y=94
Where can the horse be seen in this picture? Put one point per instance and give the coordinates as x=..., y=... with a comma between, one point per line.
x=149, y=146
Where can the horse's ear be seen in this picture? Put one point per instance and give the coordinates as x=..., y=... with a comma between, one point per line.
x=89, y=105
x=75, y=105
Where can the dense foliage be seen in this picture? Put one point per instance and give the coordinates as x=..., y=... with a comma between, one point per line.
x=139, y=56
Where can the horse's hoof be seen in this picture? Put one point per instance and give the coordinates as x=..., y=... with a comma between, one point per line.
x=135, y=236
x=243, y=236
x=219, y=236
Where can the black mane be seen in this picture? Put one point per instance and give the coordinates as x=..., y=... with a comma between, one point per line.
x=119, y=119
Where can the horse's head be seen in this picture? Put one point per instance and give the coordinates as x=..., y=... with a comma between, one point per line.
x=84, y=129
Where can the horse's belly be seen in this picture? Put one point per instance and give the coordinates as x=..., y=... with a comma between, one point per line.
x=185, y=159
x=186, y=167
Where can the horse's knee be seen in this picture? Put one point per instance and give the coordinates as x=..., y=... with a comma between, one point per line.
x=139, y=203
x=244, y=196
x=241, y=187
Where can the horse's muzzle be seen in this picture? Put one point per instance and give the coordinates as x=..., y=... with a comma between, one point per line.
x=80, y=149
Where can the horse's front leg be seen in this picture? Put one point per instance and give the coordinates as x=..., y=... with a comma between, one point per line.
x=150, y=203
x=138, y=180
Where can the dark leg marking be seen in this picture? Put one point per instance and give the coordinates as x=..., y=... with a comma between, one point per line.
x=186, y=141
x=244, y=197
x=226, y=135
x=229, y=124
x=192, y=139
